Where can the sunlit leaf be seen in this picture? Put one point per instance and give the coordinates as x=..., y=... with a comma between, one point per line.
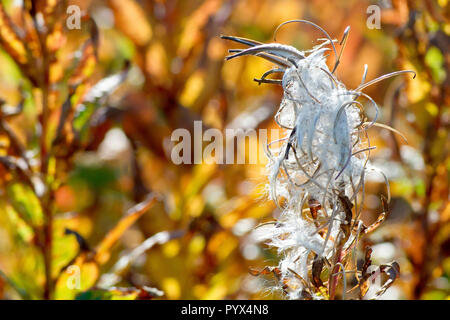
x=102, y=251
x=131, y=20
x=24, y=201
x=9, y=38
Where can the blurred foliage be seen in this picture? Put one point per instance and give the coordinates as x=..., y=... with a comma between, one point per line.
x=85, y=125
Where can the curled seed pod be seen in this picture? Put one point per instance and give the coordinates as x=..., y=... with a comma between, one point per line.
x=321, y=164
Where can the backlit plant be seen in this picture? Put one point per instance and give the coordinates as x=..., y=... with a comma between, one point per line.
x=317, y=171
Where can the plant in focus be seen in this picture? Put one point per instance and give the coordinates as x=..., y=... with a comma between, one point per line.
x=317, y=173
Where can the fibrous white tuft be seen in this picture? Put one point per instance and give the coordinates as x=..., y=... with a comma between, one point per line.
x=316, y=172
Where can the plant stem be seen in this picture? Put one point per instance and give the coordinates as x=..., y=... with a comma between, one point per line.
x=48, y=227
x=334, y=273
x=44, y=157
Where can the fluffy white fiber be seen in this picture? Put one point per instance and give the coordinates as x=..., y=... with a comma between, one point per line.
x=317, y=170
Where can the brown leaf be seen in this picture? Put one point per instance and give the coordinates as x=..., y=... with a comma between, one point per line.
x=306, y=295
x=314, y=207
x=95, y=35
x=265, y=271
x=364, y=282
x=393, y=272
x=254, y=272
x=316, y=271
x=347, y=206
x=381, y=217
x=367, y=261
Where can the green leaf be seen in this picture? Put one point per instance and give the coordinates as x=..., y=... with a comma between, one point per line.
x=25, y=203
x=96, y=177
x=21, y=228
x=78, y=277
x=65, y=247
x=435, y=61
x=82, y=116
x=94, y=295
x=434, y=295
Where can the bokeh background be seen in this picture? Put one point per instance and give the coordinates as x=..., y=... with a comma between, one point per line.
x=165, y=61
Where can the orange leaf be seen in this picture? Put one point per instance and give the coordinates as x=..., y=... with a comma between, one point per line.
x=133, y=214
x=10, y=39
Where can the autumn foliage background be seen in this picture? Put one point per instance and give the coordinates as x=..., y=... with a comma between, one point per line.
x=85, y=125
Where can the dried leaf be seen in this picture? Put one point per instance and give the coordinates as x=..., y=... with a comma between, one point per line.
x=364, y=282
x=316, y=271
x=381, y=217
x=347, y=206
x=367, y=261
x=393, y=272
x=314, y=207
x=267, y=270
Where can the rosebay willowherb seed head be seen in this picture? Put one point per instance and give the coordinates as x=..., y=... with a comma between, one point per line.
x=316, y=172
